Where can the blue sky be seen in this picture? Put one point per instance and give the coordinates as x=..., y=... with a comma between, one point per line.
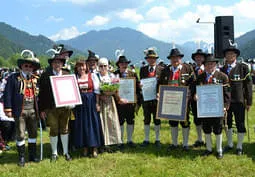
x=165, y=20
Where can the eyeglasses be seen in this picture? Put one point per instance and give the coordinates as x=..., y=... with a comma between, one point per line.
x=100, y=66
x=28, y=66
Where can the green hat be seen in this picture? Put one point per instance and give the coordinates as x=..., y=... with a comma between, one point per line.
x=29, y=57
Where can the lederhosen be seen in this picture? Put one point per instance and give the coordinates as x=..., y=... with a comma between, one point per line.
x=182, y=77
x=149, y=107
x=22, y=104
x=127, y=111
x=214, y=124
x=241, y=94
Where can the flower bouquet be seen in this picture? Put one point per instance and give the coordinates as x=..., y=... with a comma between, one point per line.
x=110, y=88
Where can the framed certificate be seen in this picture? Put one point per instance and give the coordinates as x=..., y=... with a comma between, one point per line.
x=127, y=89
x=210, y=101
x=172, y=103
x=65, y=90
x=149, y=89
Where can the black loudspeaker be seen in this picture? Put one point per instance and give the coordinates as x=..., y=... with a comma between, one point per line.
x=223, y=33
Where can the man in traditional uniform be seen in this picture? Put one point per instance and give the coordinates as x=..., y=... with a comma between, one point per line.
x=178, y=74
x=57, y=118
x=92, y=62
x=241, y=96
x=212, y=76
x=198, y=57
x=20, y=102
x=126, y=110
x=150, y=107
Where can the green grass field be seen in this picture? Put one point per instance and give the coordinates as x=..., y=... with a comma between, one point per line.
x=141, y=161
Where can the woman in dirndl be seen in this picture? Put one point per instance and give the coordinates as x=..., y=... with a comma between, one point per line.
x=108, y=111
x=87, y=129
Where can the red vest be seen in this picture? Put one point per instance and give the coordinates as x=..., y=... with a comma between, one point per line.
x=174, y=78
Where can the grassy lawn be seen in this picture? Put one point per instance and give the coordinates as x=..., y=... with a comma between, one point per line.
x=140, y=161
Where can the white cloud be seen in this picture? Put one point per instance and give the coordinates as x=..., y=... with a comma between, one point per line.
x=66, y=34
x=97, y=21
x=179, y=29
x=157, y=13
x=130, y=14
x=54, y=19
x=79, y=2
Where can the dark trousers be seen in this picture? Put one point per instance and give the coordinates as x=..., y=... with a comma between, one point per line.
x=193, y=106
x=8, y=130
x=126, y=112
x=212, y=125
x=238, y=109
x=150, y=108
x=184, y=124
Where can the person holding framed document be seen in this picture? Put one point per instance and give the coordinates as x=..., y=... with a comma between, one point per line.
x=150, y=106
x=126, y=111
x=178, y=74
x=213, y=124
x=241, y=96
x=57, y=117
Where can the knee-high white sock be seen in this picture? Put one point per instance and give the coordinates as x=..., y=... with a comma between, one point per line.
x=240, y=137
x=64, y=139
x=147, y=132
x=199, y=133
x=229, y=137
x=54, y=144
x=122, y=133
x=157, y=132
x=130, y=130
x=219, y=143
x=174, y=132
x=208, y=140
x=185, y=136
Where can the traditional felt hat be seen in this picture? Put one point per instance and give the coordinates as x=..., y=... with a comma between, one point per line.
x=175, y=52
x=120, y=57
x=28, y=57
x=92, y=56
x=60, y=53
x=150, y=53
x=198, y=52
x=210, y=58
x=232, y=48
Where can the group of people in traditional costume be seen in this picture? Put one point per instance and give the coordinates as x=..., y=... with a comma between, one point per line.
x=100, y=119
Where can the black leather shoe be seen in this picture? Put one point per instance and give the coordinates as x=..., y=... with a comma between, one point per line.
x=198, y=143
x=171, y=147
x=219, y=155
x=239, y=152
x=131, y=144
x=227, y=149
x=68, y=157
x=145, y=144
x=185, y=148
x=157, y=144
x=207, y=153
x=21, y=162
x=53, y=158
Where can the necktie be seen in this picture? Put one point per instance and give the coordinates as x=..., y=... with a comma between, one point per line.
x=124, y=74
x=208, y=77
x=151, y=69
x=229, y=69
x=28, y=77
